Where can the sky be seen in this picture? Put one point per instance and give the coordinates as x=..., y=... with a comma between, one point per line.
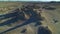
x=31, y=0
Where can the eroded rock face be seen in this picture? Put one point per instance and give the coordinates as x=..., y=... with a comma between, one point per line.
x=49, y=8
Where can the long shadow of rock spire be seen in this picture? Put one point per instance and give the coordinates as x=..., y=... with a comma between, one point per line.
x=32, y=18
x=14, y=13
x=15, y=17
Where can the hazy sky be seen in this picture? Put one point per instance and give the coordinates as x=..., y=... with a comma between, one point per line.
x=30, y=0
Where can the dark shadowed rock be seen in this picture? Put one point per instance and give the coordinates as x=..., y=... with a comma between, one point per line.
x=55, y=20
x=42, y=30
x=38, y=23
x=23, y=31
